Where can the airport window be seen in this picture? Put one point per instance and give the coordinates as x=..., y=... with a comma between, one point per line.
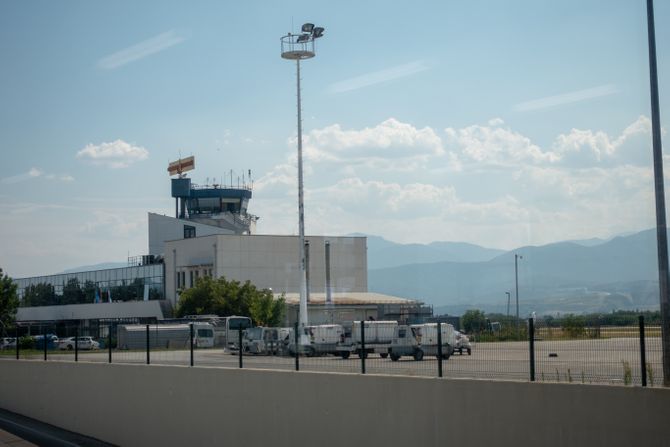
x=189, y=231
x=191, y=278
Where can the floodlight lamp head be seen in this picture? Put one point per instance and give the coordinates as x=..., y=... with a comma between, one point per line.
x=307, y=27
x=303, y=38
x=317, y=32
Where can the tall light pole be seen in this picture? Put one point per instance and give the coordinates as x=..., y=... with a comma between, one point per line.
x=516, y=281
x=508, y=299
x=298, y=47
x=661, y=227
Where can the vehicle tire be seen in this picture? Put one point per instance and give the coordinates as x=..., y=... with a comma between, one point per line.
x=460, y=351
x=345, y=354
x=394, y=357
x=69, y=347
x=362, y=354
x=311, y=352
x=469, y=351
x=384, y=355
x=418, y=355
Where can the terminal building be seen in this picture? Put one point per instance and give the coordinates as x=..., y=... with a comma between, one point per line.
x=213, y=234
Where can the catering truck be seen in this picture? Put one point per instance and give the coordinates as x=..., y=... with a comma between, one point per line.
x=377, y=337
x=417, y=340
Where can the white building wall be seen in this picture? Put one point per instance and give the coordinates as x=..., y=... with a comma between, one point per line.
x=268, y=261
x=165, y=228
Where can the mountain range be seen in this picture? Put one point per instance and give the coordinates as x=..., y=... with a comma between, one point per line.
x=594, y=275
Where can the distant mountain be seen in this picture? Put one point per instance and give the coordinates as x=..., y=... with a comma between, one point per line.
x=562, y=277
x=101, y=266
x=384, y=254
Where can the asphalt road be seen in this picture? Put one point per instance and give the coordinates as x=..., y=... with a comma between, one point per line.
x=606, y=361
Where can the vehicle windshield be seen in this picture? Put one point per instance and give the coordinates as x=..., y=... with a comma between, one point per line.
x=205, y=333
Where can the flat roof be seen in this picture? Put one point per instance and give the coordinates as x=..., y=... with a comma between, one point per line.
x=349, y=298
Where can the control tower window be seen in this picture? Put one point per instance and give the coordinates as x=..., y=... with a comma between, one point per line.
x=189, y=231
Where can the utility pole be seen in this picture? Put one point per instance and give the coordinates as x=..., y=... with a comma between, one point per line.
x=516, y=281
x=661, y=226
x=508, y=300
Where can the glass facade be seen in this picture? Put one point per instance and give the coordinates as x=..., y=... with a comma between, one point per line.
x=134, y=283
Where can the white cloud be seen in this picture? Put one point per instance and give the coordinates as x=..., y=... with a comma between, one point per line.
x=141, y=50
x=486, y=184
x=34, y=173
x=566, y=98
x=378, y=77
x=495, y=146
x=117, y=154
x=390, y=143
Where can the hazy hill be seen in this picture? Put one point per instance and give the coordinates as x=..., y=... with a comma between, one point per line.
x=383, y=253
x=562, y=277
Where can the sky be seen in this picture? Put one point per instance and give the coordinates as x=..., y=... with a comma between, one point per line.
x=502, y=124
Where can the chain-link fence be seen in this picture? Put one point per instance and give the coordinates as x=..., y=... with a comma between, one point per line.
x=531, y=350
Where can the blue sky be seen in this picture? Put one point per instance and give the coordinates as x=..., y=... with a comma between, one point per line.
x=497, y=123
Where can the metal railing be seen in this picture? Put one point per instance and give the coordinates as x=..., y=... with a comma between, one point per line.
x=619, y=355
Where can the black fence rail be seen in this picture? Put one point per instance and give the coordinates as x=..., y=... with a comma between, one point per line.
x=533, y=350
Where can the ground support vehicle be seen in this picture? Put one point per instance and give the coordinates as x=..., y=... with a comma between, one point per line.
x=419, y=340
x=378, y=338
x=262, y=341
x=462, y=343
x=167, y=336
x=323, y=340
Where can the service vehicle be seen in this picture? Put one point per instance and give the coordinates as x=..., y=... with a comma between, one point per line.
x=462, y=343
x=323, y=340
x=262, y=341
x=418, y=340
x=378, y=337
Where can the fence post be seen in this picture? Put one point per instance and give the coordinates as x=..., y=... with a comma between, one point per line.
x=363, y=352
x=643, y=352
x=44, y=340
x=239, y=346
x=148, y=347
x=531, y=347
x=297, y=352
x=439, y=349
x=109, y=343
x=17, y=342
x=76, y=343
x=191, y=330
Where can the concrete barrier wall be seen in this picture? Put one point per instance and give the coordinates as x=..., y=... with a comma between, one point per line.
x=171, y=405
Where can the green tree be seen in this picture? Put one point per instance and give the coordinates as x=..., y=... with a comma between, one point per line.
x=9, y=301
x=264, y=310
x=473, y=320
x=223, y=297
x=41, y=294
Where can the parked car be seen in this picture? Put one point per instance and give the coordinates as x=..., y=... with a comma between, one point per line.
x=52, y=341
x=84, y=343
x=462, y=343
x=7, y=343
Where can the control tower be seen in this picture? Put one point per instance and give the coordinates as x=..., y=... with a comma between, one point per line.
x=219, y=205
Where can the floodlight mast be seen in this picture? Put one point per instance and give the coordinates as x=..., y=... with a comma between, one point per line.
x=297, y=47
